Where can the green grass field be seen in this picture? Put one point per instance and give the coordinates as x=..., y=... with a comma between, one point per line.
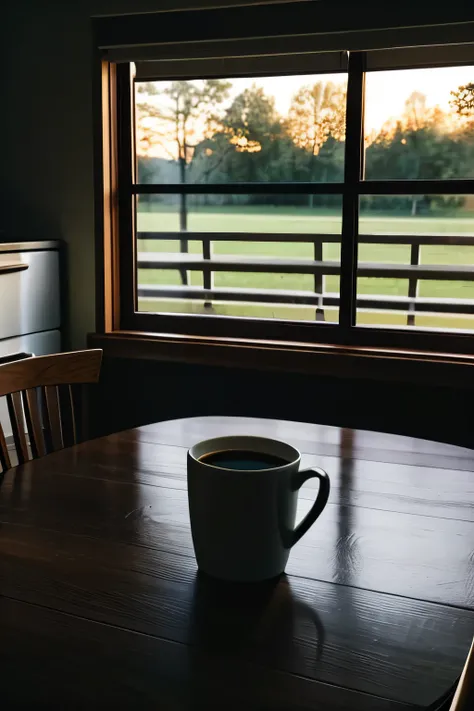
x=303, y=220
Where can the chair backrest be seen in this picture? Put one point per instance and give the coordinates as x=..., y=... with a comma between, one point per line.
x=38, y=390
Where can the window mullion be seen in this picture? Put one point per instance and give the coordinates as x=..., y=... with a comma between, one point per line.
x=353, y=174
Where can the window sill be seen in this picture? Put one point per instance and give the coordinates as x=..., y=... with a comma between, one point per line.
x=417, y=367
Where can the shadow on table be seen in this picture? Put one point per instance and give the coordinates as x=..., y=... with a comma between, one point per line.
x=240, y=634
x=257, y=622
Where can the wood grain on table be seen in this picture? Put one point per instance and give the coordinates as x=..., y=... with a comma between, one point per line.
x=98, y=579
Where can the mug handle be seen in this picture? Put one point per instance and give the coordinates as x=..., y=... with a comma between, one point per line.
x=321, y=500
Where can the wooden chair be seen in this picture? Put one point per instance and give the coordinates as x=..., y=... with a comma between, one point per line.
x=464, y=696
x=39, y=391
x=460, y=697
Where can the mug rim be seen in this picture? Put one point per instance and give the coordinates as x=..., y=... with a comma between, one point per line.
x=296, y=459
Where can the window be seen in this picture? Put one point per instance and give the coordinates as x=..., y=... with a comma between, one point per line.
x=273, y=255
x=419, y=126
x=331, y=200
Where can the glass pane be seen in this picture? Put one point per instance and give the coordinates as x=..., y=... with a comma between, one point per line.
x=419, y=124
x=405, y=234
x=261, y=273
x=270, y=129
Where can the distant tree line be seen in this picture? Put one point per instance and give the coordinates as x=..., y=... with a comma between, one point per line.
x=250, y=142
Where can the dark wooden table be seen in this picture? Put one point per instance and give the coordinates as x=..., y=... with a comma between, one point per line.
x=101, y=605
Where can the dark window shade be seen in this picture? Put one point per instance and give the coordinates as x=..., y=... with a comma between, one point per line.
x=275, y=19
x=315, y=62
x=429, y=46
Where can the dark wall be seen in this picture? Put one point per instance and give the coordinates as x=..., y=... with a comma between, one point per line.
x=134, y=392
x=46, y=127
x=46, y=131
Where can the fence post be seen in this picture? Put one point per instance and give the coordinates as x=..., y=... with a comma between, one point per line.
x=207, y=275
x=319, y=279
x=184, y=249
x=413, y=283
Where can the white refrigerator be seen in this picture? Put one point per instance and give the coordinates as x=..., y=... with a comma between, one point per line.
x=30, y=304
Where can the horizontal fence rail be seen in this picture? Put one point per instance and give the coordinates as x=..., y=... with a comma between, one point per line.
x=158, y=260
x=207, y=264
x=325, y=238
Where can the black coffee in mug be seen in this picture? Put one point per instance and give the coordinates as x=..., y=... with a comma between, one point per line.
x=242, y=460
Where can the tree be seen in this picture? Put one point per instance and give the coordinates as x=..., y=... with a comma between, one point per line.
x=417, y=138
x=463, y=103
x=184, y=110
x=253, y=144
x=421, y=145
x=176, y=121
x=317, y=114
x=240, y=150
x=251, y=120
x=463, y=100
x=416, y=115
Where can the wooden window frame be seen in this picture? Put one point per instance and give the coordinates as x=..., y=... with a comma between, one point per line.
x=115, y=255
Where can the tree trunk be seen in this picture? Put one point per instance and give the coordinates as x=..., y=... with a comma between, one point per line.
x=414, y=205
x=183, y=217
x=183, y=212
x=311, y=173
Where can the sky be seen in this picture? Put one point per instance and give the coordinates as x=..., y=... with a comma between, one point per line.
x=386, y=92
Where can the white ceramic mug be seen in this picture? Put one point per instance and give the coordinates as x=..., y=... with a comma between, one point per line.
x=243, y=521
